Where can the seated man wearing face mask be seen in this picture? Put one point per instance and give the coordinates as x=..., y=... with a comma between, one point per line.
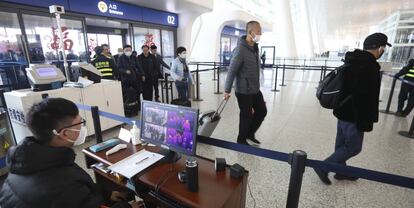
x=43, y=172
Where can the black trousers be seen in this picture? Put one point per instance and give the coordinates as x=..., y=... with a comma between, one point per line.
x=249, y=121
x=406, y=92
x=147, y=89
x=156, y=91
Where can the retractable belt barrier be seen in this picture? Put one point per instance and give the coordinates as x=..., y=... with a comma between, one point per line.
x=297, y=160
x=371, y=175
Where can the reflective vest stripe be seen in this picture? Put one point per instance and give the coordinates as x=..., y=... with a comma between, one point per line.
x=105, y=70
x=106, y=74
x=410, y=73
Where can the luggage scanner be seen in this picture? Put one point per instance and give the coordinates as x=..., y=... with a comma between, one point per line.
x=44, y=77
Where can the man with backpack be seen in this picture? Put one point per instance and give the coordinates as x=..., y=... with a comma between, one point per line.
x=358, y=109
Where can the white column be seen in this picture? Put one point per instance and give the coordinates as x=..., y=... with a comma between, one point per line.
x=284, y=27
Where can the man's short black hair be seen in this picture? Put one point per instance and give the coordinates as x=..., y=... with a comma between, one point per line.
x=250, y=24
x=180, y=50
x=105, y=45
x=153, y=47
x=144, y=46
x=49, y=114
x=98, y=50
x=127, y=46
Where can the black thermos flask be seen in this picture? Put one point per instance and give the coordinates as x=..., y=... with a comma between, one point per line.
x=191, y=167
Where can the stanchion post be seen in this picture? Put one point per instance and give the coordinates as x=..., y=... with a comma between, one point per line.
x=166, y=88
x=198, y=85
x=387, y=110
x=381, y=75
x=218, y=81
x=410, y=132
x=275, y=89
x=214, y=71
x=96, y=123
x=283, y=73
x=321, y=77
x=297, y=162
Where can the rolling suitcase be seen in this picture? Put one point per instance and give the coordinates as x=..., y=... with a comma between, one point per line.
x=131, y=102
x=208, y=121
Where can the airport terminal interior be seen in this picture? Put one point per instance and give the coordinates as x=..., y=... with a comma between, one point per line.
x=166, y=89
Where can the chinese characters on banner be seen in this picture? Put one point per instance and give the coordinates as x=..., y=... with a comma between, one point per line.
x=149, y=39
x=67, y=42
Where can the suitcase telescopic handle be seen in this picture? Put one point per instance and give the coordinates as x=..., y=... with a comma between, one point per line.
x=220, y=108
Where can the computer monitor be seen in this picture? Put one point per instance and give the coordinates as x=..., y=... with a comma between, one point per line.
x=171, y=127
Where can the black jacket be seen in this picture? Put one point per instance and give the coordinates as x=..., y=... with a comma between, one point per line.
x=148, y=64
x=129, y=64
x=160, y=62
x=45, y=176
x=106, y=66
x=405, y=70
x=362, y=83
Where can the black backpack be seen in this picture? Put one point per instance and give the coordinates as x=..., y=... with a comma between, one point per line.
x=330, y=92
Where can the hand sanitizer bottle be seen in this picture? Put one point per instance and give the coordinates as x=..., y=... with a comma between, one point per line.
x=135, y=134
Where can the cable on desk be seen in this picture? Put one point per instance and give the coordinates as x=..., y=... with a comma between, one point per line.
x=167, y=175
x=251, y=195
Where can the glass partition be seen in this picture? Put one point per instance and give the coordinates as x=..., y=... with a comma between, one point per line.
x=43, y=39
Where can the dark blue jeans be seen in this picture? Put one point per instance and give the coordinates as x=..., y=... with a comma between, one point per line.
x=182, y=88
x=348, y=142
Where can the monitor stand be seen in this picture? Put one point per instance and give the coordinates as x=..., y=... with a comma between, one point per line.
x=169, y=156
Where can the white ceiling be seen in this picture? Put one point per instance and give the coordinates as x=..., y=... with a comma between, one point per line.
x=351, y=15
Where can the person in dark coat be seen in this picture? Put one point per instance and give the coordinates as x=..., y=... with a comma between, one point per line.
x=263, y=58
x=359, y=113
x=116, y=56
x=244, y=71
x=148, y=63
x=159, y=68
x=105, y=65
x=131, y=72
x=406, y=91
x=43, y=172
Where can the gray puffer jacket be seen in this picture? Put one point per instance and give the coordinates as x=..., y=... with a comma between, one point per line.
x=245, y=67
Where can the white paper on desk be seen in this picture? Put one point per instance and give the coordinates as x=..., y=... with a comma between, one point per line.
x=84, y=82
x=124, y=135
x=129, y=167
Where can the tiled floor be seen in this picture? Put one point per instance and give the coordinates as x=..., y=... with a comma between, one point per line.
x=296, y=121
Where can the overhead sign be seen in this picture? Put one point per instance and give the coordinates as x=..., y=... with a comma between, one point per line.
x=159, y=17
x=41, y=3
x=109, y=8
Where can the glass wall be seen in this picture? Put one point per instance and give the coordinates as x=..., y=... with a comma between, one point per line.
x=43, y=39
x=12, y=58
x=168, y=48
x=146, y=36
x=11, y=48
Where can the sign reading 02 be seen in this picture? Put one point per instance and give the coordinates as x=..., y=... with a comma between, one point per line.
x=171, y=20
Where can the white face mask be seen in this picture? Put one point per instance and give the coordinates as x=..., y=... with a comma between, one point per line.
x=128, y=53
x=120, y=53
x=183, y=55
x=81, y=138
x=256, y=38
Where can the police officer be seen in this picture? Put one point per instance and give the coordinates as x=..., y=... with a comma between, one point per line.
x=407, y=90
x=105, y=64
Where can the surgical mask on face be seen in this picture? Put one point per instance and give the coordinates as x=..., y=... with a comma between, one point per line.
x=183, y=55
x=256, y=38
x=128, y=53
x=81, y=138
x=120, y=53
x=381, y=52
